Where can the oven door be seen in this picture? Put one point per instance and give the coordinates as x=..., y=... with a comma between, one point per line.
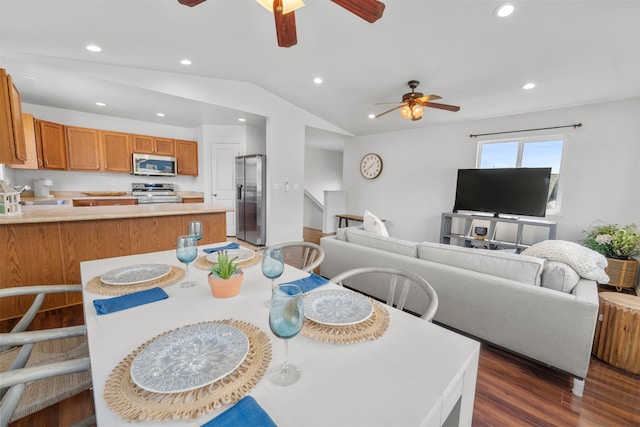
x=144, y=200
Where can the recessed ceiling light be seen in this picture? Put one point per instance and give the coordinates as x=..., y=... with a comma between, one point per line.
x=504, y=10
x=101, y=104
x=528, y=86
x=317, y=80
x=160, y=114
x=372, y=116
x=242, y=119
x=186, y=62
x=30, y=77
x=94, y=48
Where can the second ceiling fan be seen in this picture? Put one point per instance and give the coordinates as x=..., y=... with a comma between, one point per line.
x=283, y=12
x=412, y=103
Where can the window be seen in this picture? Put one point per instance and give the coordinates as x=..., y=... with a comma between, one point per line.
x=526, y=153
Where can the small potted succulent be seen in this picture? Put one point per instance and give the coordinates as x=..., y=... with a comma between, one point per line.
x=225, y=277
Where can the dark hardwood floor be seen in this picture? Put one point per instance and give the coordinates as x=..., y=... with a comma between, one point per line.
x=510, y=392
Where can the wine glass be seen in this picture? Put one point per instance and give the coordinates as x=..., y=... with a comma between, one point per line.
x=286, y=317
x=186, y=251
x=272, y=266
x=195, y=228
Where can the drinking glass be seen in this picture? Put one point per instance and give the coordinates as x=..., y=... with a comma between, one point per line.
x=286, y=317
x=195, y=228
x=272, y=266
x=186, y=251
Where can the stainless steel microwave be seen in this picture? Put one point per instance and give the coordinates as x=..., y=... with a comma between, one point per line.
x=151, y=165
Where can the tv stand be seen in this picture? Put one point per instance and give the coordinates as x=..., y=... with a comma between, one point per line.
x=502, y=233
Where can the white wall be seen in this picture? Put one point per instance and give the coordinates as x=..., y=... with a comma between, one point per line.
x=600, y=168
x=322, y=171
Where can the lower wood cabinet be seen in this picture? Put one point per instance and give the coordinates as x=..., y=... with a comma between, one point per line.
x=104, y=202
x=49, y=253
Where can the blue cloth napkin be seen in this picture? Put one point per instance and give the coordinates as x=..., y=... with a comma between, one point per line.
x=310, y=283
x=110, y=305
x=247, y=412
x=232, y=245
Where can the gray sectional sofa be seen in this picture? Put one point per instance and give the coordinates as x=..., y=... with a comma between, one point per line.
x=521, y=303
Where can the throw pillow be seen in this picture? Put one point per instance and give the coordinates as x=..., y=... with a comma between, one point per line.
x=373, y=224
x=588, y=263
x=559, y=276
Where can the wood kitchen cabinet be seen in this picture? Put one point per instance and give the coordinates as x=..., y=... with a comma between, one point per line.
x=116, y=151
x=104, y=202
x=51, y=145
x=83, y=148
x=187, y=157
x=28, y=123
x=153, y=145
x=12, y=143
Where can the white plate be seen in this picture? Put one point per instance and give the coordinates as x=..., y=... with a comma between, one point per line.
x=243, y=254
x=337, y=307
x=189, y=358
x=135, y=274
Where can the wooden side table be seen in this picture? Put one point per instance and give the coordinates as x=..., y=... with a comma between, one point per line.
x=617, y=336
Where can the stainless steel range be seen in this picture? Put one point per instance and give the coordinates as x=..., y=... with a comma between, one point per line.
x=154, y=193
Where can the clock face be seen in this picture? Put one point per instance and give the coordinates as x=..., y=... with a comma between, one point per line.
x=371, y=166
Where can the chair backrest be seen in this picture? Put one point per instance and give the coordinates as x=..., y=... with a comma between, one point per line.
x=306, y=256
x=396, y=297
x=40, y=367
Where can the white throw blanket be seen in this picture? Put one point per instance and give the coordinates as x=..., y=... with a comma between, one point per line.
x=588, y=263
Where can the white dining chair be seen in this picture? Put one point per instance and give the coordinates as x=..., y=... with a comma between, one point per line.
x=41, y=367
x=306, y=256
x=396, y=297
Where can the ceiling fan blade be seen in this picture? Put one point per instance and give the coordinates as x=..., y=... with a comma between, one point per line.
x=441, y=106
x=190, y=3
x=285, y=25
x=388, y=111
x=369, y=10
x=427, y=98
x=383, y=103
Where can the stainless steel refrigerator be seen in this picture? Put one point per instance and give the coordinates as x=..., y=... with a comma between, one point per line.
x=251, y=198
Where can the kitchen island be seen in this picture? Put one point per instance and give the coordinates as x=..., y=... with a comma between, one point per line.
x=46, y=244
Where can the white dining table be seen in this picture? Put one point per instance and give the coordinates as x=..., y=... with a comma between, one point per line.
x=417, y=373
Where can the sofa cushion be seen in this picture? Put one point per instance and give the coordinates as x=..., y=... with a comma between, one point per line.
x=588, y=263
x=389, y=244
x=559, y=276
x=522, y=268
x=373, y=224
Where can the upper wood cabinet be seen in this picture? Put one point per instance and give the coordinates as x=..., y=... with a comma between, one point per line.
x=116, y=151
x=51, y=145
x=83, y=148
x=187, y=157
x=12, y=143
x=28, y=123
x=153, y=145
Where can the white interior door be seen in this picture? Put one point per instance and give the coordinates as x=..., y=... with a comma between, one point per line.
x=223, y=176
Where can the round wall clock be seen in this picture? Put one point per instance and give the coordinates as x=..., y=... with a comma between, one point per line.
x=371, y=166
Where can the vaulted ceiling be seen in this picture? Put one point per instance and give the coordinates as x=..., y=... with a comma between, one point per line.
x=576, y=52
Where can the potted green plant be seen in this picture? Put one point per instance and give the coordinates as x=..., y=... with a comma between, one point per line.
x=618, y=244
x=225, y=277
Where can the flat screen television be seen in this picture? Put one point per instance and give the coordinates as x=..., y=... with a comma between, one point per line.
x=509, y=191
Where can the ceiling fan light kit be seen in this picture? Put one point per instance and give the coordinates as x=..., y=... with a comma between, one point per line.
x=286, y=5
x=284, y=15
x=412, y=103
